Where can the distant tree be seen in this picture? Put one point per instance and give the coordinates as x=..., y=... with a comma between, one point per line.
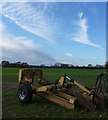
x=18, y=63
x=70, y=65
x=5, y=63
x=90, y=65
x=42, y=65
x=98, y=66
x=57, y=64
x=76, y=66
x=83, y=66
x=64, y=65
x=24, y=64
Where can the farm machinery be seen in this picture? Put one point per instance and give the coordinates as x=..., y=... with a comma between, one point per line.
x=66, y=91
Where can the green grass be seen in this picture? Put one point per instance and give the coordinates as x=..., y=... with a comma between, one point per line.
x=40, y=107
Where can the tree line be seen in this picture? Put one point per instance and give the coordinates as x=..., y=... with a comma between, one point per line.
x=56, y=65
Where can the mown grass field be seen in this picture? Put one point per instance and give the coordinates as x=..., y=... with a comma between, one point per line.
x=40, y=107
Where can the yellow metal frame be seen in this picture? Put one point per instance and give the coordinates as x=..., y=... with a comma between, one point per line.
x=58, y=93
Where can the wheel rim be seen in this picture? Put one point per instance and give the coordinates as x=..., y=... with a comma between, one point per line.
x=22, y=94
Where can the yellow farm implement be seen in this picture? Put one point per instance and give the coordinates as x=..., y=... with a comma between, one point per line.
x=61, y=92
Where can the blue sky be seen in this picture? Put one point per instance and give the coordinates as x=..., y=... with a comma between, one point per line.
x=46, y=33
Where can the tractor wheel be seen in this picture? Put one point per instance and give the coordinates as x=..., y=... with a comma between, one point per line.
x=24, y=92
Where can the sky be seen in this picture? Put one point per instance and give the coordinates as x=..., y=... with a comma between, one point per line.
x=47, y=33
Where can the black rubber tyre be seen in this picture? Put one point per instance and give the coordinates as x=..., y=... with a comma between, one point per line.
x=24, y=92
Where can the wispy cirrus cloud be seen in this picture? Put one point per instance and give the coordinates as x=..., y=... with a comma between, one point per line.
x=31, y=18
x=81, y=35
x=36, y=20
